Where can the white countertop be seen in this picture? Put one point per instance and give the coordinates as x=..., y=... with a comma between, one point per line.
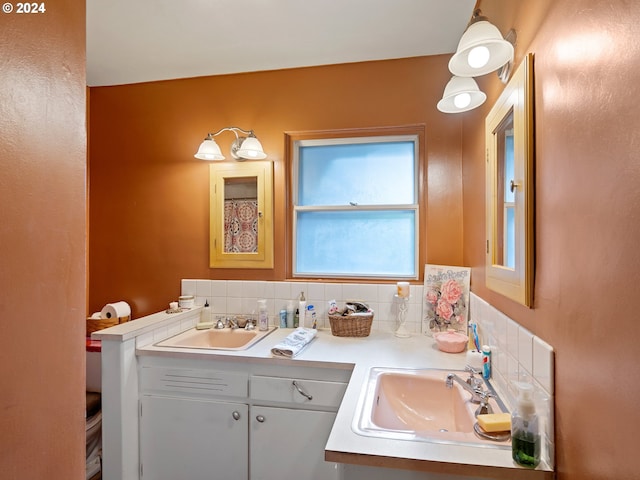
x=361, y=354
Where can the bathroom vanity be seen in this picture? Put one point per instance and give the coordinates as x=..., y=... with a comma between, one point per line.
x=185, y=412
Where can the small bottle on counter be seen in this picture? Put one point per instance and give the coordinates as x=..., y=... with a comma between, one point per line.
x=296, y=319
x=263, y=316
x=205, y=313
x=525, y=435
x=302, y=309
x=486, y=362
x=290, y=313
x=283, y=318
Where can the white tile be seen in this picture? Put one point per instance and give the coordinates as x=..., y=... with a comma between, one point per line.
x=525, y=349
x=218, y=305
x=350, y=291
x=543, y=364
x=234, y=305
x=218, y=288
x=266, y=290
x=386, y=292
x=315, y=291
x=282, y=290
x=500, y=323
x=297, y=288
x=333, y=291
x=188, y=287
x=250, y=289
x=512, y=337
x=203, y=288
x=416, y=294
x=234, y=288
x=366, y=293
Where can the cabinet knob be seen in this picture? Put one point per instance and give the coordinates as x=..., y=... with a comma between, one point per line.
x=260, y=418
x=236, y=415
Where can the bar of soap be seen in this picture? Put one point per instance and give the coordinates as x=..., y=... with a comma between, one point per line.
x=494, y=422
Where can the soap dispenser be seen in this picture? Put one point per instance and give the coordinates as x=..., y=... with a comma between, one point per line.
x=525, y=435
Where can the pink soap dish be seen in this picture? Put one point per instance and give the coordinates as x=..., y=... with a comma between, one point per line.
x=451, y=341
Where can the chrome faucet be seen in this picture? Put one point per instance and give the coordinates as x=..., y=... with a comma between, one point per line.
x=472, y=385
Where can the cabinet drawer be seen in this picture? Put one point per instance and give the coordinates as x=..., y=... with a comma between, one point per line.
x=208, y=383
x=283, y=390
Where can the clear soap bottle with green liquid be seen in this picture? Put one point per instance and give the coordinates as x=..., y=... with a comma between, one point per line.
x=525, y=433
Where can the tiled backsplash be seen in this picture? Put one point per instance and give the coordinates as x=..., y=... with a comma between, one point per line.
x=517, y=354
x=239, y=296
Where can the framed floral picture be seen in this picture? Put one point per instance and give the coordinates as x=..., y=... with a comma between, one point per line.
x=445, y=302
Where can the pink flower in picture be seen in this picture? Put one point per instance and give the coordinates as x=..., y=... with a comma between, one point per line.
x=444, y=309
x=431, y=297
x=451, y=292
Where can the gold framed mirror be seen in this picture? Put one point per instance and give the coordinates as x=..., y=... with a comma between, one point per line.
x=509, y=266
x=241, y=215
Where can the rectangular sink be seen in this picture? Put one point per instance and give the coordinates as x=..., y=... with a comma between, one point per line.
x=416, y=405
x=214, y=339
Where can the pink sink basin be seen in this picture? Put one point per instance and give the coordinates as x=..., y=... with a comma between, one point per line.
x=417, y=405
x=224, y=339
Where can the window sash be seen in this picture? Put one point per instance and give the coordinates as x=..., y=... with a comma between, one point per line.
x=414, y=208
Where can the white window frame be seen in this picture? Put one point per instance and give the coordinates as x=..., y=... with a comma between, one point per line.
x=334, y=208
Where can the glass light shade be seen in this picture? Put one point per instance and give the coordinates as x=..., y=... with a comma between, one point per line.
x=460, y=95
x=251, y=149
x=209, y=150
x=468, y=61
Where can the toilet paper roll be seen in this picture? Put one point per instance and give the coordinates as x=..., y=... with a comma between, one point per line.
x=116, y=310
x=474, y=360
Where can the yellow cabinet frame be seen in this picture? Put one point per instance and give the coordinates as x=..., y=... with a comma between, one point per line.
x=220, y=173
x=513, y=281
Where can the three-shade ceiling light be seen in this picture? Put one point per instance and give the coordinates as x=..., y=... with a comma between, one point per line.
x=242, y=148
x=481, y=50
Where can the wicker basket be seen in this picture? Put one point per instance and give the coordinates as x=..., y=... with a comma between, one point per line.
x=351, y=325
x=95, y=324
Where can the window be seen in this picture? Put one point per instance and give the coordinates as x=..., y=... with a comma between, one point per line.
x=355, y=206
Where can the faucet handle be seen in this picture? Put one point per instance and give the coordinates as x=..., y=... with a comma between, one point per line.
x=472, y=371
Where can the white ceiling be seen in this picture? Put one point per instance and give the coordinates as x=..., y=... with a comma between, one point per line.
x=131, y=41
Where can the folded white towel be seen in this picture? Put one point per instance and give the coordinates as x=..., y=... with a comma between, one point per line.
x=294, y=342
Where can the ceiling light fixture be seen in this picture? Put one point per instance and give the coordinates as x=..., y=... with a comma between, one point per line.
x=482, y=49
x=460, y=95
x=242, y=148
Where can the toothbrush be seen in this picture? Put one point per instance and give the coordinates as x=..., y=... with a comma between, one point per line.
x=476, y=340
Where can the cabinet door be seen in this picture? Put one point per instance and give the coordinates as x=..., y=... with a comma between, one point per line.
x=290, y=444
x=194, y=439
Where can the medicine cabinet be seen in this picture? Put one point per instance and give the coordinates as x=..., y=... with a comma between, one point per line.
x=509, y=189
x=241, y=215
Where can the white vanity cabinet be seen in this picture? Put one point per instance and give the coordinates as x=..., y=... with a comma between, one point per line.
x=291, y=419
x=240, y=421
x=193, y=424
x=195, y=439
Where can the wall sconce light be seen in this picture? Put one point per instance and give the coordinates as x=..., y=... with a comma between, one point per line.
x=242, y=148
x=460, y=95
x=481, y=49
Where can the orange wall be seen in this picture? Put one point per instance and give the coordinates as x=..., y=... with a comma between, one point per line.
x=42, y=243
x=150, y=198
x=587, y=72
